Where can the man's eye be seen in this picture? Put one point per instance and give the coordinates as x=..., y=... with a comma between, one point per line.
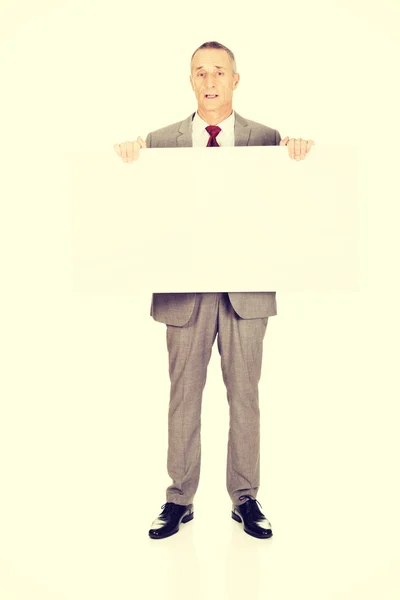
x=220, y=73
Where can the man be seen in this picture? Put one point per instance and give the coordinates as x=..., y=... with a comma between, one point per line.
x=194, y=319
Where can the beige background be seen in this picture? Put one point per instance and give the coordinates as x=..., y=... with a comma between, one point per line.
x=84, y=384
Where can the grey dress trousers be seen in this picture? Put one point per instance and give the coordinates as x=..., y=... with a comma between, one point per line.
x=240, y=345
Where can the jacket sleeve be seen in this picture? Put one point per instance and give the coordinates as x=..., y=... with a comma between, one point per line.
x=277, y=137
x=148, y=140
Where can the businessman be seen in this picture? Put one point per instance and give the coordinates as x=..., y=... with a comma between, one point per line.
x=193, y=320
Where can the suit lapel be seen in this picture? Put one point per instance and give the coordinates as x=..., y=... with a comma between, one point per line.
x=242, y=132
x=184, y=137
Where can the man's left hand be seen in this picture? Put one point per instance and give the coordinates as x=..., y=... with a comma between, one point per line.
x=297, y=147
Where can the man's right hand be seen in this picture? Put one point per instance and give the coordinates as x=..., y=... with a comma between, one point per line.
x=129, y=151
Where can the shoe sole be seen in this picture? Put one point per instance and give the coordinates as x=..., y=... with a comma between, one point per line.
x=259, y=536
x=185, y=519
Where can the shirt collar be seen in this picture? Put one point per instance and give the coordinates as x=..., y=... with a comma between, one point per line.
x=198, y=124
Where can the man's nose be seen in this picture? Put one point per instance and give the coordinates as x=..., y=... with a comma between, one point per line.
x=210, y=80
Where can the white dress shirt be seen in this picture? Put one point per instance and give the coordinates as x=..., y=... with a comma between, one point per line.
x=226, y=136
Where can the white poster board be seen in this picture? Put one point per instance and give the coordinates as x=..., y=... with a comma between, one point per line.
x=215, y=219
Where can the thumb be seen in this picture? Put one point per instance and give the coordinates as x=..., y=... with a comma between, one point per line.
x=284, y=141
x=141, y=142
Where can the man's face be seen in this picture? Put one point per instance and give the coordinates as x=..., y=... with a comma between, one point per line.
x=212, y=75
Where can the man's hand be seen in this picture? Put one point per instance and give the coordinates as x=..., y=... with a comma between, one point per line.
x=297, y=148
x=129, y=151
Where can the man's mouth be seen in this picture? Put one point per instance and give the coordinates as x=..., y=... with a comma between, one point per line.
x=211, y=96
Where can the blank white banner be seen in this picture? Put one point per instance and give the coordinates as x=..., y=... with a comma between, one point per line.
x=215, y=219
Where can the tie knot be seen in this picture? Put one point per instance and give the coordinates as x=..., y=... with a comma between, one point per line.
x=213, y=130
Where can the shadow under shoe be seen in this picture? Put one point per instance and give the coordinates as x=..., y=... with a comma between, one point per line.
x=254, y=522
x=169, y=520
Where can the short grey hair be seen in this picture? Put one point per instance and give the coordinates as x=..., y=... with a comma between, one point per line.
x=217, y=46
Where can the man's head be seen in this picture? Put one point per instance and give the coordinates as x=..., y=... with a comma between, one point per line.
x=213, y=72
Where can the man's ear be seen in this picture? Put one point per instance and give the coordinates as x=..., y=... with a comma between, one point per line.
x=191, y=82
x=236, y=80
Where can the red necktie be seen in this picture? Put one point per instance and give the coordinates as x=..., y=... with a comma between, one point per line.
x=213, y=130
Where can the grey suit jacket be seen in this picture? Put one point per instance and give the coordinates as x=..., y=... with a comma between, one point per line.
x=176, y=309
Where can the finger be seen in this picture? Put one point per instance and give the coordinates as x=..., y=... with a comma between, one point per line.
x=309, y=144
x=297, y=148
x=284, y=141
x=303, y=149
x=117, y=149
x=123, y=151
x=129, y=151
x=291, y=147
x=141, y=142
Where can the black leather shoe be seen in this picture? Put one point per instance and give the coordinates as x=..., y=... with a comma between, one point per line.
x=169, y=520
x=254, y=522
